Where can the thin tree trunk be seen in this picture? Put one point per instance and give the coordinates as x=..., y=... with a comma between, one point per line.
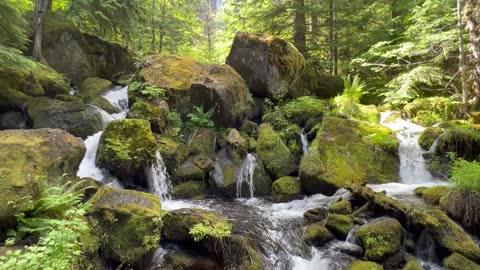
x=154, y=35
x=209, y=28
x=315, y=28
x=162, y=26
x=299, y=31
x=472, y=17
x=40, y=11
x=462, y=62
x=331, y=34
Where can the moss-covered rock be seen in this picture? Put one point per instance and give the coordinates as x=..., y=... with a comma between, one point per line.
x=202, y=143
x=275, y=155
x=433, y=195
x=126, y=147
x=342, y=207
x=412, y=265
x=462, y=206
x=315, y=214
x=191, y=190
x=250, y=128
x=430, y=111
x=26, y=156
x=317, y=235
x=205, y=163
x=428, y=136
x=460, y=138
x=381, y=238
x=181, y=260
x=286, y=189
x=105, y=105
x=93, y=87
x=315, y=82
x=189, y=83
x=339, y=225
x=173, y=152
x=348, y=151
x=177, y=223
x=189, y=171
x=458, y=262
x=236, y=145
x=156, y=113
x=74, y=117
x=363, y=265
x=127, y=223
x=271, y=66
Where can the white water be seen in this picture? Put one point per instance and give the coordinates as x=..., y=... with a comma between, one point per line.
x=158, y=178
x=245, y=176
x=305, y=144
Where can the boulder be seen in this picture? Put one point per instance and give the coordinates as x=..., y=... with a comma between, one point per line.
x=79, y=55
x=13, y=120
x=126, y=222
x=236, y=145
x=155, y=113
x=173, y=152
x=189, y=83
x=75, y=117
x=189, y=171
x=205, y=163
x=275, y=155
x=460, y=138
x=412, y=265
x=250, y=128
x=342, y=207
x=30, y=158
x=315, y=214
x=381, y=238
x=431, y=110
x=181, y=260
x=433, y=195
x=348, y=151
x=104, y=104
x=339, y=225
x=202, y=143
x=315, y=82
x=126, y=147
x=191, y=190
x=363, y=265
x=93, y=87
x=286, y=189
x=458, y=262
x=428, y=136
x=317, y=235
x=271, y=66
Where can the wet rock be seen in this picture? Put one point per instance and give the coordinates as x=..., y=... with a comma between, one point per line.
x=315, y=214
x=347, y=248
x=196, y=190
x=104, y=104
x=181, y=260
x=188, y=171
x=271, y=66
x=13, y=120
x=75, y=117
x=286, y=189
x=458, y=262
x=363, y=265
x=433, y=195
x=412, y=264
x=173, y=152
x=126, y=222
x=342, y=207
x=339, y=225
x=428, y=136
x=317, y=235
x=381, y=238
x=202, y=143
x=93, y=87
x=154, y=112
x=190, y=83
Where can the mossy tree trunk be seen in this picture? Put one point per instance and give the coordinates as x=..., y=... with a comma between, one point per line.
x=299, y=31
x=41, y=7
x=472, y=18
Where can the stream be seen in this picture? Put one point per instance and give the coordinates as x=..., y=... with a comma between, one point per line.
x=277, y=227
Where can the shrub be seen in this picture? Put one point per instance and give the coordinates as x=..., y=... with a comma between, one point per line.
x=218, y=231
x=465, y=175
x=200, y=119
x=151, y=92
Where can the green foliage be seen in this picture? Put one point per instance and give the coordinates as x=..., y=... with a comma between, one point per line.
x=465, y=175
x=135, y=86
x=218, y=231
x=433, y=110
x=175, y=123
x=13, y=26
x=348, y=103
x=200, y=119
x=12, y=59
x=151, y=92
x=304, y=106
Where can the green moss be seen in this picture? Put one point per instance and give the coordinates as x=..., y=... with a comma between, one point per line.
x=286, y=189
x=92, y=87
x=203, y=143
x=304, y=108
x=276, y=119
x=156, y=114
x=173, y=152
x=317, y=235
x=250, y=128
x=249, y=256
x=362, y=265
x=412, y=265
x=434, y=194
x=189, y=171
x=381, y=238
x=428, y=136
x=342, y=207
x=460, y=138
x=429, y=111
x=339, y=225
x=191, y=190
x=277, y=158
x=104, y=104
x=237, y=145
x=69, y=98
x=458, y=262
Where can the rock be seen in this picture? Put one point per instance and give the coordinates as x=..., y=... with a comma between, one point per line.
x=431, y=110
x=104, y=104
x=433, y=195
x=180, y=260
x=173, y=153
x=348, y=151
x=236, y=145
x=277, y=158
x=205, y=163
x=363, y=265
x=428, y=136
x=13, y=120
x=339, y=225
x=26, y=157
x=304, y=109
x=190, y=190
x=79, y=55
x=286, y=189
x=250, y=128
x=342, y=207
x=202, y=143
x=317, y=235
x=412, y=265
x=126, y=147
x=75, y=117
x=381, y=238
x=315, y=214
x=93, y=87
x=460, y=138
x=315, y=82
x=458, y=262
x=177, y=223
x=271, y=66
x=462, y=206
x=126, y=222
x=262, y=182
x=156, y=114
x=188, y=171
x=189, y=83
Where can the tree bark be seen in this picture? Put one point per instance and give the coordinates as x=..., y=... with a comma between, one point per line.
x=333, y=38
x=472, y=19
x=461, y=51
x=154, y=35
x=163, y=22
x=300, y=24
x=41, y=7
x=209, y=27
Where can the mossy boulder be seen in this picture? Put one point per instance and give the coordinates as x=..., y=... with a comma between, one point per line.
x=412, y=265
x=182, y=260
x=460, y=138
x=202, y=143
x=104, y=104
x=315, y=82
x=277, y=158
x=458, y=262
x=93, y=87
x=191, y=190
x=250, y=128
x=428, y=136
x=26, y=156
x=126, y=147
x=339, y=225
x=349, y=151
x=189, y=171
x=364, y=265
x=271, y=66
x=433, y=195
x=189, y=83
x=380, y=238
x=177, y=223
x=431, y=110
x=154, y=112
x=342, y=207
x=236, y=145
x=75, y=117
x=286, y=189
x=173, y=152
x=126, y=222
x=317, y=235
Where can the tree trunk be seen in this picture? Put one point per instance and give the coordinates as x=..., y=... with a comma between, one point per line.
x=333, y=38
x=163, y=23
x=299, y=31
x=315, y=28
x=462, y=62
x=41, y=7
x=154, y=35
x=209, y=28
x=472, y=17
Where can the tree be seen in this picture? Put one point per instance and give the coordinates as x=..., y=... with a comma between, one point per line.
x=13, y=26
x=41, y=7
x=472, y=18
x=299, y=27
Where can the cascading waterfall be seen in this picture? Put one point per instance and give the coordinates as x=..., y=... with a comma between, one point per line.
x=87, y=166
x=158, y=178
x=245, y=176
x=305, y=145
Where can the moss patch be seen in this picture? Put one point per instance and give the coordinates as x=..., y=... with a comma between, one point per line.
x=428, y=136
x=342, y=207
x=156, y=114
x=93, y=87
x=317, y=235
x=286, y=189
x=363, y=265
x=434, y=194
x=191, y=190
x=381, y=238
x=339, y=225
x=458, y=262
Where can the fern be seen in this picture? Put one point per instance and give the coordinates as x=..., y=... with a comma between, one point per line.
x=200, y=119
x=347, y=103
x=218, y=231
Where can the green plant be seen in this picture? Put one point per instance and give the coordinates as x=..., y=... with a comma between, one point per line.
x=175, y=122
x=218, y=231
x=151, y=92
x=465, y=174
x=200, y=119
x=307, y=107
x=348, y=102
x=134, y=86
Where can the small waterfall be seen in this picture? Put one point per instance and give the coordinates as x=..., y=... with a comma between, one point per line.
x=158, y=179
x=118, y=96
x=245, y=175
x=87, y=166
x=106, y=117
x=351, y=235
x=305, y=145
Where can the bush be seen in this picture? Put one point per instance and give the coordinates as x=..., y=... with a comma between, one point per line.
x=466, y=175
x=218, y=231
x=430, y=111
x=200, y=119
x=347, y=103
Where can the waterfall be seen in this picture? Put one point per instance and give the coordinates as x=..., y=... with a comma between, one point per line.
x=245, y=175
x=87, y=166
x=158, y=179
x=305, y=145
